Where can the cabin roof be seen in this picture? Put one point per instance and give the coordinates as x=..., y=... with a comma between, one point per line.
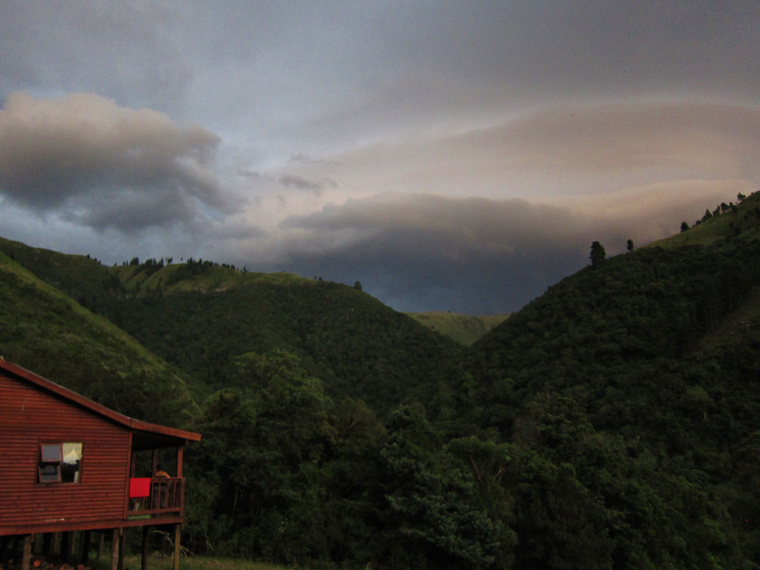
x=147, y=435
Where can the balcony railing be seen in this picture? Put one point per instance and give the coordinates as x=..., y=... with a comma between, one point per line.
x=155, y=496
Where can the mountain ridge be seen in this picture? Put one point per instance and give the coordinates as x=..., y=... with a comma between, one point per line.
x=610, y=423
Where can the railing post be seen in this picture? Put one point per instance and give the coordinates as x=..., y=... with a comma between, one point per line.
x=164, y=495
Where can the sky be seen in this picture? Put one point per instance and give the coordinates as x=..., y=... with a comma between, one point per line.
x=449, y=155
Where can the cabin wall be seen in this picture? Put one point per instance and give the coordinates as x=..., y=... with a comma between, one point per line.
x=30, y=416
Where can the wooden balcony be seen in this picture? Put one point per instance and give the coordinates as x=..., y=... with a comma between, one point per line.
x=156, y=497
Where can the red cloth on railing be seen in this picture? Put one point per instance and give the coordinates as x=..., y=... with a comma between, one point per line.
x=139, y=487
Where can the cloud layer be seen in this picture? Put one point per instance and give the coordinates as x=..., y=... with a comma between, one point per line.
x=449, y=155
x=479, y=255
x=102, y=165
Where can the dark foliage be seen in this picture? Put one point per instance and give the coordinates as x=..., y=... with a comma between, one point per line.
x=612, y=423
x=356, y=345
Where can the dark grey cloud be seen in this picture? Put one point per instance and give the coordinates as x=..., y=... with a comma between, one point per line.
x=468, y=255
x=474, y=255
x=104, y=165
x=130, y=210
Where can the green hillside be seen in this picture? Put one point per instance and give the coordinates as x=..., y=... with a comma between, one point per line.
x=78, y=275
x=293, y=374
x=201, y=316
x=462, y=329
x=629, y=396
x=725, y=221
x=614, y=422
x=46, y=331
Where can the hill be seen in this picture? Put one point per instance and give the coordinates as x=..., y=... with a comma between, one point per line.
x=629, y=394
x=614, y=422
x=462, y=329
x=80, y=276
x=46, y=331
x=200, y=316
x=292, y=376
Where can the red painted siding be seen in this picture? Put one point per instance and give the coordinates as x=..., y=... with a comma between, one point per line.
x=30, y=416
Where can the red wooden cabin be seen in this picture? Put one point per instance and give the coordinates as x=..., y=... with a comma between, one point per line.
x=71, y=464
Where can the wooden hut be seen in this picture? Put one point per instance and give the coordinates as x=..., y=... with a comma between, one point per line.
x=70, y=464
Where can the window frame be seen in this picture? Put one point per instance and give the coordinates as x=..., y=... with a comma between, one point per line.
x=45, y=463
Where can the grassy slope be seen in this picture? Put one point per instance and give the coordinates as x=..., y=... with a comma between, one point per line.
x=694, y=289
x=200, y=316
x=78, y=274
x=184, y=277
x=714, y=229
x=46, y=331
x=462, y=329
x=734, y=224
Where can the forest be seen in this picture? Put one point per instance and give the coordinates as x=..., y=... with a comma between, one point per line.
x=613, y=422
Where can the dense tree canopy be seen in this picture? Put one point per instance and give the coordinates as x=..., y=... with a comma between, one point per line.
x=612, y=423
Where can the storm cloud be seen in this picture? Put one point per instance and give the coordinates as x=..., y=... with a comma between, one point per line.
x=103, y=165
x=471, y=255
x=476, y=255
x=458, y=155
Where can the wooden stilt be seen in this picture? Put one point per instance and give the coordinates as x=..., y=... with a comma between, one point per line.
x=76, y=541
x=115, y=549
x=145, y=548
x=47, y=544
x=65, y=546
x=84, y=553
x=177, y=544
x=122, y=547
x=26, y=555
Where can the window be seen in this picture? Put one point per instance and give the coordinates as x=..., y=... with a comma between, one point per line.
x=60, y=462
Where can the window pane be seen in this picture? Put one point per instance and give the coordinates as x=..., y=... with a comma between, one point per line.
x=50, y=452
x=72, y=453
x=49, y=473
x=72, y=462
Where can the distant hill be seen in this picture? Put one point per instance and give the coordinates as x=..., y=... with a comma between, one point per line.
x=352, y=342
x=199, y=316
x=463, y=329
x=46, y=331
